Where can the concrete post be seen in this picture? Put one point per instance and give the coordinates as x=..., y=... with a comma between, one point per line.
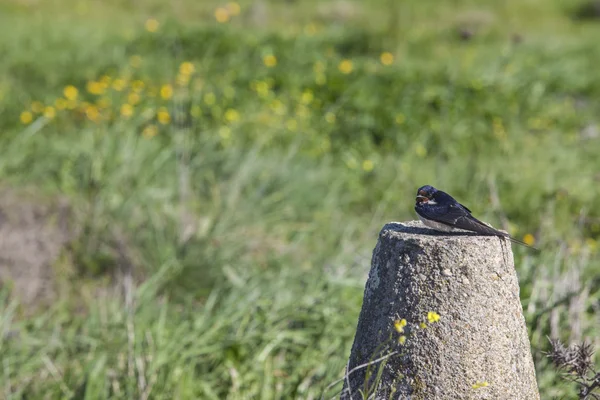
x=441, y=319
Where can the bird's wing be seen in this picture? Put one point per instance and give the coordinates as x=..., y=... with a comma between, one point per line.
x=463, y=206
x=458, y=216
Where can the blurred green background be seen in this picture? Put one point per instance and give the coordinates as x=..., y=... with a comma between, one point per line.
x=191, y=190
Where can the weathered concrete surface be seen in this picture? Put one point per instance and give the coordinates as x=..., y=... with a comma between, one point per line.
x=478, y=349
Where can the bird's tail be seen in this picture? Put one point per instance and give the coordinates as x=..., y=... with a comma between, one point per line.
x=512, y=239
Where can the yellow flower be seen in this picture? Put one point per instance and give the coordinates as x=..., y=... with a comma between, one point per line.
x=307, y=96
x=70, y=92
x=187, y=68
x=133, y=98
x=222, y=15
x=345, y=66
x=386, y=58
x=478, y=385
x=210, y=98
x=367, y=165
x=402, y=339
x=330, y=117
x=60, y=103
x=135, y=61
x=399, y=325
x=37, y=107
x=152, y=25
x=137, y=86
x=126, y=110
x=232, y=115
x=423, y=325
x=118, y=84
x=26, y=117
x=432, y=317
x=163, y=116
x=96, y=88
x=150, y=131
x=49, y=112
x=92, y=113
x=529, y=239
x=233, y=8
x=270, y=60
x=166, y=92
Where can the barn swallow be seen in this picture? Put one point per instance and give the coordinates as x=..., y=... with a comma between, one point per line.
x=442, y=212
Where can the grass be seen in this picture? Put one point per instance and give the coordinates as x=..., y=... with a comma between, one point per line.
x=229, y=179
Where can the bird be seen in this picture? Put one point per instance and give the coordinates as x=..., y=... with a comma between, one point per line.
x=440, y=211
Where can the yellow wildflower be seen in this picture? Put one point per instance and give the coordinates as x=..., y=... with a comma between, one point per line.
x=307, y=96
x=49, y=112
x=94, y=87
x=187, y=68
x=222, y=15
x=432, y=317
x=402, y=339
x=133, y=98
x=126, y=110
x=92, y=113
x=150, y=131
x=345, y=66
x=270, y=60
x=70, y=92
x=118, y=84
x=152, y=25
x=367, y=165
x=26, y=117
x=529, y=239
x=137, y=86
x=478, y=384
x=386, y=58
x=423, y=325
x=166, y=91
x=163, y=116
x=399, y=325
x=232, y=115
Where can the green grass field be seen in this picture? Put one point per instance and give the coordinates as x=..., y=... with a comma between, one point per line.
x=229, y=165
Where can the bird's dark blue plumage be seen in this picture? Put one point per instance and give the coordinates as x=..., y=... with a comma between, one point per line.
x=441, y=211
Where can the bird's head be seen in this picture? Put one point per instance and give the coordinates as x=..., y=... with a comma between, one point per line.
x=426, y=194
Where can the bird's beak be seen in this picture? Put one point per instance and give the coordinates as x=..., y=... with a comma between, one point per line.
x=422, y=199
